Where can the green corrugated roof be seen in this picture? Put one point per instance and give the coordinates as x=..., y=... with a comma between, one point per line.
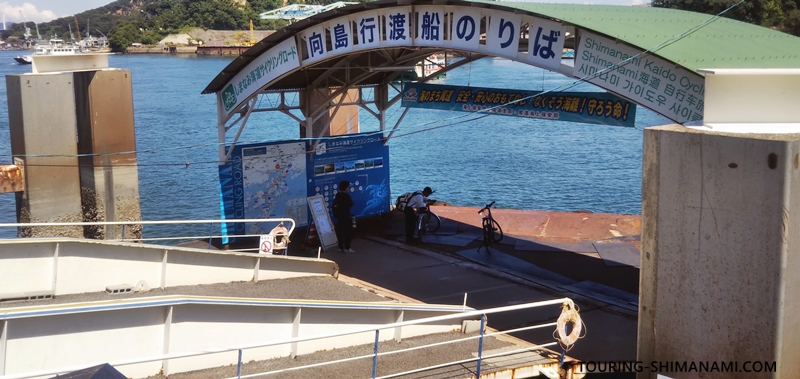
x=723, y=43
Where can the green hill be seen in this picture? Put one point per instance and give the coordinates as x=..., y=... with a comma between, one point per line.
x=147, y=21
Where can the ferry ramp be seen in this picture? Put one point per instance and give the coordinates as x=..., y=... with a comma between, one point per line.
x=69, y=304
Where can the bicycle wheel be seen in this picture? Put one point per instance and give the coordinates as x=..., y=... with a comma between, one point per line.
x=496, y=233
x=487, y=231
x=422, y=228
x=434, y=222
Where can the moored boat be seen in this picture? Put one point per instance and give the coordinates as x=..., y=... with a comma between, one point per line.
x=54, y=46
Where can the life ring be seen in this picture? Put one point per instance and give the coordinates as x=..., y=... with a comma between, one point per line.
x=569, y=313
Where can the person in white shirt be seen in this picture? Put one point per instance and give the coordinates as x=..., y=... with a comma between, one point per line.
x=419, y=200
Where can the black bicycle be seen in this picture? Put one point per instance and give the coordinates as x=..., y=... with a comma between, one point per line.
x=427, y=221
x=492, y=233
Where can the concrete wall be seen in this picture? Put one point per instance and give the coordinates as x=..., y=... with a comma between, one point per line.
x=720, y=275
x=41, y=113
x=79, y=266
x=71, y=336
x=109, y=181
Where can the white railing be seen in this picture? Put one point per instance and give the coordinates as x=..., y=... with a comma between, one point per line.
x=462, y=315
x=211, y=236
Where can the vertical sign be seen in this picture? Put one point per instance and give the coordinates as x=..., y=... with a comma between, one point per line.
x=369, y=34
x=430, y=26
x=398, y=29
x=322, y=219
x=315, y=44
x=466, y=28
x=502, y=38
x=650, y=81
x=341, y=32
x=545, y=43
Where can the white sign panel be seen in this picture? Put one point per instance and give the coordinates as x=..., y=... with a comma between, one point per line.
x=325, y=230
x=430, y=26
x=265, y=244
x=502, y=38
x=369, y=35
x=650, y=81
x=398, y=30
x=315, y=43
x=277, y=61
x=545, y=43
x=466, y=24
x=341, y=32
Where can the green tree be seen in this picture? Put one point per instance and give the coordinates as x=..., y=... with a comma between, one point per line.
x=123, y=35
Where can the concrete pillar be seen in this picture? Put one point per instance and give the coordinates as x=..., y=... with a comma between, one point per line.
x=720, y=275
x=41, y=113
x=109, y=181
x=343, y=121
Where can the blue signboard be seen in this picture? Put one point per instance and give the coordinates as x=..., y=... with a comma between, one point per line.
x=587, y=107
x=273, y=180
x=361, y=159
x=265, y=180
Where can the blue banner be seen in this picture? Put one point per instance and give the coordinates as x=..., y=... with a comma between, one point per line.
x=587, y=107
x=362, y=160
x=273, y=179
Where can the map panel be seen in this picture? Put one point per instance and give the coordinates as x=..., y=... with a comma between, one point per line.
x=274, y=184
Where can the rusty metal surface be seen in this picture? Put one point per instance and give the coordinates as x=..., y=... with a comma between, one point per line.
x=552, y=226
x=11, y=178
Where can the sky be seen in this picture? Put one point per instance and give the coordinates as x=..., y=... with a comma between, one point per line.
x=46, y=10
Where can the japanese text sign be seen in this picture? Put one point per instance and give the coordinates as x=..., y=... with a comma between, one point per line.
x=502, y=38
x=270, y=65
x=587, y=107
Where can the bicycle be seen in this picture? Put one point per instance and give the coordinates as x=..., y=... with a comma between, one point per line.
x=492, y=233
x=427, y=221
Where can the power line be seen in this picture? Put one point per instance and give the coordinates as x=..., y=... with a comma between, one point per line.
x=486, y=111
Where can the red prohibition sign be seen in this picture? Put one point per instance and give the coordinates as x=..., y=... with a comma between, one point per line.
x=266, y=246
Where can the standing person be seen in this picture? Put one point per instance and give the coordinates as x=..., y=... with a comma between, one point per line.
x=342, y=203
x=417, y=200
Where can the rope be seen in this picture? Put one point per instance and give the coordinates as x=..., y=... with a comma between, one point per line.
x=569, y=315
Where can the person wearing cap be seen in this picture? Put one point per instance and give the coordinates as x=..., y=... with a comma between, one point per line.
x=342, y=203
x=418, y=201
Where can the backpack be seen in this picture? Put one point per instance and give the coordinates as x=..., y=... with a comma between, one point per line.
x=403, y=199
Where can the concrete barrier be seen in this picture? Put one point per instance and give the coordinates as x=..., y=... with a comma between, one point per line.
x=71, y=266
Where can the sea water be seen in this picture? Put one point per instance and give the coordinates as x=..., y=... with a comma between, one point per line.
x=468, y=159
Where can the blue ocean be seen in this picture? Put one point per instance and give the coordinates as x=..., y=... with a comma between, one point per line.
x=468, y=159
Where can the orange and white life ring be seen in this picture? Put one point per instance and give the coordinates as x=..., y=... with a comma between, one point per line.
x=569, y=313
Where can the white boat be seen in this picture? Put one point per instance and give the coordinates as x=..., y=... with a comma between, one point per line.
x=429, y=66
x=55, y=46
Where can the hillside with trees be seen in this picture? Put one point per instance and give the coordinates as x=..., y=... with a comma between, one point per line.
x=148, y=21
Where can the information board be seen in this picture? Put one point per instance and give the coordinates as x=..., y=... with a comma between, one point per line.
x=322, y=219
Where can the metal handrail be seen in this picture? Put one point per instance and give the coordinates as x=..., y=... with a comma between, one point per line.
x=210, y=236
x=416, y=348
x=163, y=357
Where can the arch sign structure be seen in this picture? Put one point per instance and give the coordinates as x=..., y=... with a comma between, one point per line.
x=372, y=44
